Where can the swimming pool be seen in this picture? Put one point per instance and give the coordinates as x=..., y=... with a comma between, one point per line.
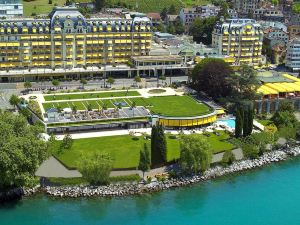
x=229, y=122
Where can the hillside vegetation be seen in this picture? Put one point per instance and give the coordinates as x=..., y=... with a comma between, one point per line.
x=43, y=6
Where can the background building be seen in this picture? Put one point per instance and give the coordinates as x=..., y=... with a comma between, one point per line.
x=188, y=15
x=244, y=7
x=11, y=8
x=68, y=40
x=293, y=55
x=239, y=38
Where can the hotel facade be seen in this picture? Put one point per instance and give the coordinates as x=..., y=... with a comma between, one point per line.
x=69, y=40
x=239, y=38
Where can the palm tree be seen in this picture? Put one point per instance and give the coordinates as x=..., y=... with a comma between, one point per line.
x=55, y=83
x=137, y=79
x=14, y=100
x=110, y=80
x=83, y=82
x=27, y=85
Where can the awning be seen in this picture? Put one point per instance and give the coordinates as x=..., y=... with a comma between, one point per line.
x=220, y=111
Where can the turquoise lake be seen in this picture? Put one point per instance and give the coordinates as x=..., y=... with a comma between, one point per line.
x=266, y=196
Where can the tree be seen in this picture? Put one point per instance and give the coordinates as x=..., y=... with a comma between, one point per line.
x=161, y=28
x=96, y=168
x=286, y=105
x=158, y=146
x=50, y=2
x=137, y=79
x=214, y=77
x=172, y=10
x=224, y=9
x=195, y=153
x=67, y=142
x=55, y=83
x=144, y=164
x=246, y=83
x=83, y=82
x=201, y=29
x=239, y=123
x=171, y=29
x=164, y=13
x=14, y=100
x=179, y=27
x=99, y=4
x=284, y=119
x=21, y=151
x=27, y=85
x=110, y=80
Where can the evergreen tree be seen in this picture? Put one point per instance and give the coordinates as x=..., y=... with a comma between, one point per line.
x=172, y=10
x=245, y=123
x=239, y=123
x=164, y=13
x=250, y=119
x=162, y=144
x=158, y=145
x=153, y=145
x=144, y=164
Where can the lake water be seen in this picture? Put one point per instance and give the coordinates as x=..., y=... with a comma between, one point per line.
x=267, y=196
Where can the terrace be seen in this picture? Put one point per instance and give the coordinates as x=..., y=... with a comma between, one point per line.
x=120, y=109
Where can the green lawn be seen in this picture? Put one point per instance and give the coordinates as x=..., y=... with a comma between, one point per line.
x=90, y=95
x=177, y=106
x=125, y=150
x=164, y=105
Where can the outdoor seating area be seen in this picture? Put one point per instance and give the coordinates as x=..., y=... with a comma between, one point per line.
x=67, y=115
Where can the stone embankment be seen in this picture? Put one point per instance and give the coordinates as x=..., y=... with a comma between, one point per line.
x=139, y=188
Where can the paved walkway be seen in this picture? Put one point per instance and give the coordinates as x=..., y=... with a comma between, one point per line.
x=105, y=133
x=53, y=168
x=238, y=153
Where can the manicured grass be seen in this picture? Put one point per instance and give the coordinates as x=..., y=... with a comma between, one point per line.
x=180, y=106
x=125, y=150
x=177, y=106
x=90, y=95
x=220, y=143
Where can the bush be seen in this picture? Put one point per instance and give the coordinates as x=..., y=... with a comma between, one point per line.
x=96, y=168
x=250, y=151
x=228, y=158
x=287, y=132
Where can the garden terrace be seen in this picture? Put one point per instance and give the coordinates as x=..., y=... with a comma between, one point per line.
x=125, y=149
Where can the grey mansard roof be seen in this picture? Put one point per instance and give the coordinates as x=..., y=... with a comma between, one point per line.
x=70, y=17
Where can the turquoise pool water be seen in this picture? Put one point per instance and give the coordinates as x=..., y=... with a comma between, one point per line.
x=230, y=122
x=268, y=196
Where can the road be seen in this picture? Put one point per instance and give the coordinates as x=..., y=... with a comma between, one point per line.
x=119, y=83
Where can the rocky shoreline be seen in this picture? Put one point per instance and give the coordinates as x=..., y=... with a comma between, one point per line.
x=119, y=190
